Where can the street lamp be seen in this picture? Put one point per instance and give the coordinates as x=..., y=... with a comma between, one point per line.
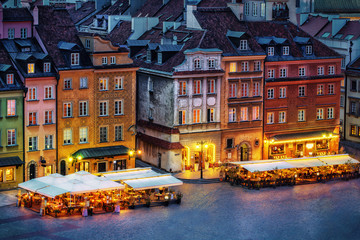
x=133, y=153
x=201, y=145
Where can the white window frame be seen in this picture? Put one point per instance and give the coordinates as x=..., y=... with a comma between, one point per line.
x=319, y=113
x=32, y=115
x=257, y=65
x=75, y=59
x=271, y=51
x=286, y=50
x=270, y=93
x=67, y=136
x=67, y=80
x=211, y=86
x=244, y=114
x=83, y=135
x=103, y=84
x=182, y=114
x=117, y=110
x=83, y=108
x=282, y=117
x=233, y=67
x=256, y=113
x=302, y=72
x=243, y=45
x=103, y=108
x=302, y=91
x=33, y=144
x=308, y=49
x=320, y=71
x=104, y=60
x=67, y=113
x=330, y=113
x=23, y=33
x=116, y=134
x=232, y=115
x=254, y=9
x=271, y=73
x=270, y=118
x=283, y=72
x=197, y=63
x=101, y=132
x=301, y=115
x=10, y=78
x=211, y=63
x=11, y=107
x=320, y=89
x=48, y=117
x=196, y=115
x=49, y=141
x=211, y=114
x=247, y=9
x=30, y=68
x=282, y=92
x=83, y=82
x=245, y=66
x=32, y=96
x=47, y=67
x=113, y=60
x=197, y=88
x=48, y=92
x=257, y=89
x=244, y=89
x=331, y=70
x=331, y=89
x=119, y=83
x=12, y=137
x=232, y=90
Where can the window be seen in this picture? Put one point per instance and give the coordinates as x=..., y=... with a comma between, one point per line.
x=342, y=101
x=256, y=113
x=196, y=116
x=49, y=140
x=247, y=9
x=211, y=63
x=83, y=108
x=197, y=63
x=11, y=137
x=151, y=113
x=285, y=50
x=48, y=118
x=159, y=59
x=118, y=133
x=331, y=70
x=270, y=94
x=67, y=109
x=343, y=63
x=270, y=51
x=256, y=90
x=75, y=59
x=271, y=73
x=10, y=78
x=302, y=91
x=182, y=88
x=353, y=130
x=67, y=136
x=9, y=174
x=262, y=11
x=282, y=117
x=330, y=113
x=33, y=144
x=353, y=107
x=112, y=60
x=103, y=134
x=244, y=89
x=48, y=92
x=302, y=71
x=243, y=45
x=182, y=117
x=320, y=71
x=148, y=55
x=244, y=114
x=31, y=68
x=232, y=90
x=331, y=89
x=119, y=107
x=211, y=88
x=283, y=72
x=244, y=66
x=83, y=82
x=270, y=118
x=320, y=89
x=150, y=85
x=353, y=87
x=103, y=108
x=301, y=115
x=308, y=49
x=23, y=33
x=11, y=33
x=32, y=118
x=119, y=83
x=257, y=66
x=233, y=67
x=87, y=43
x=47, y=67
x=282, y=92
x=197, y=86
x=103, y=84
x=211, y=115
x=254, y=9
x=83, y=135
x=32, y=94
x=67, y=83
x=11, y=107
x=104, y=60
x=232, y=114
x=319, y=114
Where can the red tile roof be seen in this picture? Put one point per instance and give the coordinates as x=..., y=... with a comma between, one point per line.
x=314, y=24
x=120, y=33
x=158, y=127
x=159, y=142
x=214, y=3
x=85, y=9
x=149, y=9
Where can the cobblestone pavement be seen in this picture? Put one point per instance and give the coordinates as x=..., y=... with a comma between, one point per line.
x=211, y=211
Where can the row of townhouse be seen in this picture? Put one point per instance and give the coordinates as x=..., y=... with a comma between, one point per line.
x=64, y=107
x=220, y=89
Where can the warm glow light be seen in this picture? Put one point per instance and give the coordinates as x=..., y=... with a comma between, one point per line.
x=309, y=145
x=197, y=146
x=324, y=135
x=131, y=153
x=139, y=152
x=70, y=159
x=206, y=146
x=79, y=158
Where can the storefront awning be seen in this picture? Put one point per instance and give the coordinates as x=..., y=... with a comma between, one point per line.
x=130, y=174
x=153, y=182
x=32, y=185
x=94, y=181
x=10, y=161
x=51, y=191
x=261, y=167
x=305, y=162
x=302, y=136
x=338, y=159
x=101, y=152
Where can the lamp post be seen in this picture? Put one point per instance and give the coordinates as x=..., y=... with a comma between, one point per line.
x=201, y=145
x=132, y=153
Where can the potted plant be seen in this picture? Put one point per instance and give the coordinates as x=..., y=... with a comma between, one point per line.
x=179, y=196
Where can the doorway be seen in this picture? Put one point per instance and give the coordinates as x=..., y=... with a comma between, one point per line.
x=243, y=151
x=63, y=167
x=32, y=171
x=102, y=167
x=159, y=160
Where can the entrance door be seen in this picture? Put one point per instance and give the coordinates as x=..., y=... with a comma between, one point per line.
x=102, y=167
x=244, y=152
x=62, y=168
x=159, y=160
x=32, y=171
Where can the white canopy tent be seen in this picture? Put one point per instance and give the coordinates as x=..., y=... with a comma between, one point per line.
x=308, y=162
x=130, y=174
x=51, y=191
x=261, y=167
x=32, y=185
x=338, y=159
x=153, y=182
x=94, y=181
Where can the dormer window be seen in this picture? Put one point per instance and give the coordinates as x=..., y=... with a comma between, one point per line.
x=270, y=51
x=197, y=64
x=112, y=60
x=87, y=43
x=25, y=49
x=243, y=45
x=47, y=67
x=75, y=59
x=286, y=50
x=31, y=68
x=23, y=33
x=10, y=78
x=211, y=63
x=148, y=56
x=104, y=60
x=308, y=49
x=159, y=57
x=11, y=33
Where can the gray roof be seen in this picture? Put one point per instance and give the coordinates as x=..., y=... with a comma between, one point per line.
x=234, y=34
x=23, y=42
x=153, y=46
x=301, y=40
x=169, y=48
x=134, y=43
x=202, y=50
x=4, y=67
x=67, y=45
x=268, y=40
x=23, y=56
x=10, y=161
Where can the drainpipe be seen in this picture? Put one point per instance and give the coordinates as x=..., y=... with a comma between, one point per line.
x=23, y=132
x=346, y=90
x=56, y=125
x=263, y=111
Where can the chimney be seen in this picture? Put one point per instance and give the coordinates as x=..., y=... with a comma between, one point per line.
x=237, y=9
x=191, y=21
x=303, y=18
x=36, y=15
x=165, y=1
x=337, y=25
x=78, y=5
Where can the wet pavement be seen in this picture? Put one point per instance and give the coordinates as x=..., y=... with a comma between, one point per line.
x=211, y=211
